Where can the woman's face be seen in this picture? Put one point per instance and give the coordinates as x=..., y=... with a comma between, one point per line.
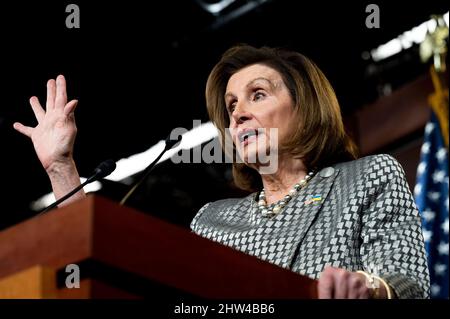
x=258, y=101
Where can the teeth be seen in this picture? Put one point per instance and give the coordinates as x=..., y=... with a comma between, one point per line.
x=246, y=135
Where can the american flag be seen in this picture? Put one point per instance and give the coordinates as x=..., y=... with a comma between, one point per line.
x=431, y=195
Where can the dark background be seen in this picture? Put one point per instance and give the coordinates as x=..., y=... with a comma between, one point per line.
x=139, y=69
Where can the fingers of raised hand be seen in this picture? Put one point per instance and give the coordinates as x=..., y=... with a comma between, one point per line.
x=39, y=112
x=61, y=92
x=25, y=130
x=51, y=94
x=70, y=107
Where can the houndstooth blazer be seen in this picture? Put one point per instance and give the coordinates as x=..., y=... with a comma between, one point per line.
x=366, y=220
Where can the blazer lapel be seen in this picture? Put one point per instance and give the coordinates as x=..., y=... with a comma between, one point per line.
x=304, y=210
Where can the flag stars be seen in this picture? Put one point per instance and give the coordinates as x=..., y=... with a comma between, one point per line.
x=427, y=235
x=438, y=176
x=421, y=168
x=431, y=192
x=444, y=226
x=417, y=189
x=425, y=148
x=434, y=196
x=446, y=203
x=440, y=269
x=443, y=248
x=435, y=289
x=429, y=128
x=428, y=215
x=441, y=154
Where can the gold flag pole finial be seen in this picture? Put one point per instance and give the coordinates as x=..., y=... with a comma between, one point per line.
x=435, y=44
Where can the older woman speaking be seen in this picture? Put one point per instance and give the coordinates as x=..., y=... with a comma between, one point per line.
x=350, y=223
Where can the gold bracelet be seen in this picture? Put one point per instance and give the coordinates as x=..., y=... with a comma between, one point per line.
x=374, y=286
x=386, y=286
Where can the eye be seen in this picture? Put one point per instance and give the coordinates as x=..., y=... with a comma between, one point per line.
x=231, y=106
x=258, y=95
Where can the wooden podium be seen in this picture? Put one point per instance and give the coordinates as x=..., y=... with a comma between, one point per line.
x=122, y=253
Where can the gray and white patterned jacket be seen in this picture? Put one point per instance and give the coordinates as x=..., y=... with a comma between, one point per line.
x=366, y=220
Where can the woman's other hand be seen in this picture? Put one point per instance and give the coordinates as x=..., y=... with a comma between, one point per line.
x=337, y=283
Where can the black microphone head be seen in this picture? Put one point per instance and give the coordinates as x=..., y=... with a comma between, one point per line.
x=171, y=142
x=105, y=168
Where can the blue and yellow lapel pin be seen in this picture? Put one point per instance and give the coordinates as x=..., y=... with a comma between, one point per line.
x=313, y=199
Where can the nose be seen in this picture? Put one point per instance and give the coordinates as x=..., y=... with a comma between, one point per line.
x=241, y=114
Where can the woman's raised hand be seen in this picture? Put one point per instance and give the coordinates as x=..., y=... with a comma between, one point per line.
x=54, y=136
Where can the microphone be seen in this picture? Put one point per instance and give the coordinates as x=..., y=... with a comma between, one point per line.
x=170, y=142
x=104, y=169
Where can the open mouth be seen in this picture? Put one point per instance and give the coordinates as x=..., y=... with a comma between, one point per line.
x=247, y=136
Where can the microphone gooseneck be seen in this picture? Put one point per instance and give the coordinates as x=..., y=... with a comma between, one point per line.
x=170, y=142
